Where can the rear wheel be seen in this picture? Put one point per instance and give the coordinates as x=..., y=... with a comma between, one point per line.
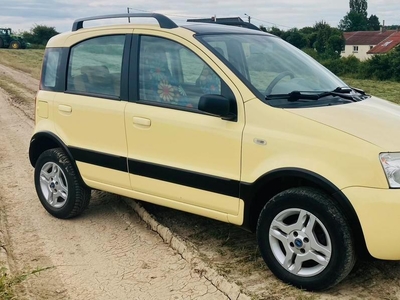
x=58, y=187
x=305, y=240
x=15, y=45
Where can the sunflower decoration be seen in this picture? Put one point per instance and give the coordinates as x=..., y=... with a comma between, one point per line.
x=166, y=91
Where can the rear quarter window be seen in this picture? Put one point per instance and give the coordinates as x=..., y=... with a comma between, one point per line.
x=50, y=71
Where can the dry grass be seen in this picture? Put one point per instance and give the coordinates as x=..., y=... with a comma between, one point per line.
x=28, y=60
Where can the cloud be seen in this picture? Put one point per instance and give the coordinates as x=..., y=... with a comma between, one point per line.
x=23, y=14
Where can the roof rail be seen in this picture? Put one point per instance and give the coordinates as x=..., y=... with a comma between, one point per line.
x=235, y=21
x=164, y=21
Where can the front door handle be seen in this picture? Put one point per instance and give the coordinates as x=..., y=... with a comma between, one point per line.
x=142, y=121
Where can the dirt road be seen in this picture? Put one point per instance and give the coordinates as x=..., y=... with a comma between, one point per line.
x=107, y=253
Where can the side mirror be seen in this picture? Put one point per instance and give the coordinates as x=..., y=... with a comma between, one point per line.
x=216, y=105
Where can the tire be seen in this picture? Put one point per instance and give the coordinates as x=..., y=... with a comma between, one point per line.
x=1, y=43
x=305, y=240
x=15, y=45
x=58, y=187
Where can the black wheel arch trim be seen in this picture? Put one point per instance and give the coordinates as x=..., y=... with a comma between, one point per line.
x=35, y=150
x=248, y=193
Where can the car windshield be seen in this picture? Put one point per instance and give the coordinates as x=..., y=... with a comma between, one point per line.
x=271, y=66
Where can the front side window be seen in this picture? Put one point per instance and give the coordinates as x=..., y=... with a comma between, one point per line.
x=271, y=66
x=95, y=66
x=171, y=74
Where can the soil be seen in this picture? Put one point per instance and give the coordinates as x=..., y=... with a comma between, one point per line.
x=106, y=253
x=109, y=252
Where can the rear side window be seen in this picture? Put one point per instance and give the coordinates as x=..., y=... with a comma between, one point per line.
x=51, y=63
x=95, y=65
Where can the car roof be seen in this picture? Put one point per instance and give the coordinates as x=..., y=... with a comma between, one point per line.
x=210, y=28
x=164, y=24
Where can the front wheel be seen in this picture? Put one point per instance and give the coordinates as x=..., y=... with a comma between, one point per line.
x=305, y=240
x=58, y=187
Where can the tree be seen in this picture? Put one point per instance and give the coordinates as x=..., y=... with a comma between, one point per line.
x=39, y=34
x=359, y=6
x=354, y=21
x=296, y=38
x=373, y=23
x=329, y=41
x=357, y=18
x=275, y=31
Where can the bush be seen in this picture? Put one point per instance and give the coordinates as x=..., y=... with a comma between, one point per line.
x=378, y=67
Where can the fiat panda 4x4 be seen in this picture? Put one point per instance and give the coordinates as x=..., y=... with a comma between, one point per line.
x=225, y=122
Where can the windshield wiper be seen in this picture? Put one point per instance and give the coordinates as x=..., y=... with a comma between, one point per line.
x=343, y=92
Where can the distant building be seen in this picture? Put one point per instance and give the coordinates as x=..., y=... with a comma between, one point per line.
x=365, y=44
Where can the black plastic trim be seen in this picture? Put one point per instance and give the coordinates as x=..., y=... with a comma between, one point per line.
x=99, y=159
x=125, y=83
x=226, y=21
x=228, y=187
x=215, y=184
x=134, y=68
x=206, y=28
x=164, y=21
x=248, y=193
x=35, y=141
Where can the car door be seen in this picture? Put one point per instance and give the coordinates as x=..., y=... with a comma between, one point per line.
x=185, y=158
x=89, y=115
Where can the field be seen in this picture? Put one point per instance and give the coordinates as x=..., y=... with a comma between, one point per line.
x=228, y=249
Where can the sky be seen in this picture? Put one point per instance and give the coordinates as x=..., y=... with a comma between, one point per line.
x=22, y=15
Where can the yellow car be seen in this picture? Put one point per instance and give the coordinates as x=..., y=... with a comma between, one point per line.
x=225, y=122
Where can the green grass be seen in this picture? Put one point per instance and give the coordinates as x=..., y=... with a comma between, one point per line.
x=388, y=90
x=27, y=60
x=8, y=282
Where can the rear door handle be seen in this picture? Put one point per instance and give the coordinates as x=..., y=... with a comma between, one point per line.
x=142, y=121
x=65, y=108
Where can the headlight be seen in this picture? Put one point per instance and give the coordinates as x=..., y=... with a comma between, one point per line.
x=391, y=165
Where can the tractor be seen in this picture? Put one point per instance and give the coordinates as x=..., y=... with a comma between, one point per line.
x=8, y=40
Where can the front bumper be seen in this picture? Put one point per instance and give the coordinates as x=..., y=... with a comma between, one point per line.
x=379, y=213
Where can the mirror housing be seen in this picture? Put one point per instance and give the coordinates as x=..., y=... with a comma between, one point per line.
x=216, y=105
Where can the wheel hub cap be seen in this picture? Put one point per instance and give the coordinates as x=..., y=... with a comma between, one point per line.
x=300, y=242
x=53, y=185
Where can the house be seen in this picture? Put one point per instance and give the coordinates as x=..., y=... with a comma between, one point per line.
x=365, y=44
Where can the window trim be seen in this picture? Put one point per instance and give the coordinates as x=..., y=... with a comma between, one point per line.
x=355, y=49
x=226, y=91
